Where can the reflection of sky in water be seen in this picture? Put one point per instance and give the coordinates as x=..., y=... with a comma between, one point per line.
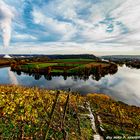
x=4, y=77
x=124, y=85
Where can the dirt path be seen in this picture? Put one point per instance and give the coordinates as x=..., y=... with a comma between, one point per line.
x=96, y=135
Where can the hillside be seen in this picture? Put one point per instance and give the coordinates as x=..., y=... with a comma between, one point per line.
x=47, y=114
x=54, y=56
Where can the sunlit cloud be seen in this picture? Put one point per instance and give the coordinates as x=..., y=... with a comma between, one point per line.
x=94, y=26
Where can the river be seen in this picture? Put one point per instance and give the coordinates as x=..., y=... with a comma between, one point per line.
x=123, y=86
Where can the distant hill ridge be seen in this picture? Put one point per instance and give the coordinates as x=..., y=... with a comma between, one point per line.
x=121, y=57
x=55, y=56
x=73, y=56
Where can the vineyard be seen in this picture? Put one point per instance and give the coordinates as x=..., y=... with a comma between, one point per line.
x=33, y=113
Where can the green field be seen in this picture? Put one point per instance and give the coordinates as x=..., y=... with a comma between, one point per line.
x=73, y=60
x=39, y=65
x=61, y=65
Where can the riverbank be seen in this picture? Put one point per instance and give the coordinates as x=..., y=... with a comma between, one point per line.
x=5, y=62
x=39, y=113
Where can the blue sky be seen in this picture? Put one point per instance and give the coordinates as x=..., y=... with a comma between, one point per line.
x=70, y=26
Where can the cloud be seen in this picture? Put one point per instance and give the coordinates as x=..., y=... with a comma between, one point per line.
x=64, y=30
x=24, y=37
x=70, y=48
x=128, y=14
x=105, y=25
x=6, y=16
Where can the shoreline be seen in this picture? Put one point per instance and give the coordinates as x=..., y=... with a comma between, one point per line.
x=67, y=91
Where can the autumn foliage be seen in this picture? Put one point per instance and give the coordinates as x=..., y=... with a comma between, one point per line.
x=33, y=113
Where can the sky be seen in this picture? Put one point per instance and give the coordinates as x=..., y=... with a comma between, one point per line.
x=100, y=27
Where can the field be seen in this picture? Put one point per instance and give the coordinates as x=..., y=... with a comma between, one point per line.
x=60, y=65
x=32, y=113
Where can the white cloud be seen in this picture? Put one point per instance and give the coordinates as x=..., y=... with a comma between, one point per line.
x=71, y=48
x=24, y=37
x=82, y=27
x=128, y=13
x=6, y=16
x=64, y=29
x=81, y=22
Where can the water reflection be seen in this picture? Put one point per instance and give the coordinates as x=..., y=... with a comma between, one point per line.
x=96, y=72
x=123, y=85
x=12, y=77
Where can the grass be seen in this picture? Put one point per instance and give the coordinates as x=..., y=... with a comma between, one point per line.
x=61, y=65
x=68, y=64
x=73, y=60
x=56, y=71
x=39, y=65
x=32, y=113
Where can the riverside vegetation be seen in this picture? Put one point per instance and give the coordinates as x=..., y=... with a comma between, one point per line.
x=78, y=68
x=33, y=113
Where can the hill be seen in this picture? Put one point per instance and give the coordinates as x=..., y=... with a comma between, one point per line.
x=32, y=113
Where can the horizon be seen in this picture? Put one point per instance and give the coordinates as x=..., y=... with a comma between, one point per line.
x=72, y=54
